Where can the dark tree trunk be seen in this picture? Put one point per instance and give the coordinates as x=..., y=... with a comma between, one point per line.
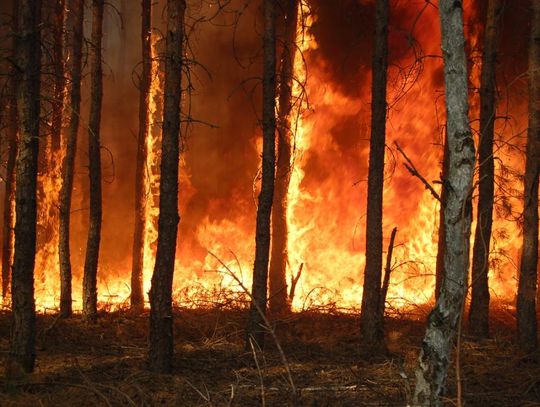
x=371, y=328
x=28, y=54
x=479, y=311
x=74, y=37
x=439, y=268
x=255, y=327
x=9, y=197
x=526, y=301
x=137, y=295
x=161, y=314
x=94, y=155
x=443, y=319
x=278, y=300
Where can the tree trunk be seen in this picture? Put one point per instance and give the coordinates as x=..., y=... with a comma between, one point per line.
x=137, y=295
x=28, y=54
x=9, y=197
x=526, y=301
x=94, y=155
x=479, y=311
x=255, y=327
x=161, y=315
x=439, y=267
x=443, y=319
x=278, y=301
x=371, y=328
x=74, y=37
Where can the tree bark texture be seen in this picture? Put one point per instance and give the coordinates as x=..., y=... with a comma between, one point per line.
x=161, y=314
x=479, y=310
x=443, y=319
x=278, y=300
x=94, y=155
x=371, y=328
x=527, y=284
x=28, y=54
x=256, y=325
x=137, y=295
x=73, y=45
x=8, y=227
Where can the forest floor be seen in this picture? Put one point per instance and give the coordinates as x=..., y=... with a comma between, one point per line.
x=80, y=365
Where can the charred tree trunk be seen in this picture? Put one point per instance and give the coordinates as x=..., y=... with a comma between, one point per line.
x=255, y=326
x=443, y=319
x=9, y=197
x=439, y=267
x=371, y=328
x=94, y=154
x=28, y=54
x=526, y=301
x=74, y=26
x=161, y=314
x=479, y=311
x=278, y=301
x=137, y=295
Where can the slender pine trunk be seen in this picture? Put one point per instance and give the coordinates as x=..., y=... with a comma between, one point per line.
x=137, y=295
x=443, y=320
x=256, y=325
x=161, y=346
x=527, y=284
x=28, y=55
x=479, y=311
x=74, y=37
x=8, y=228
x=371, y=328
x=278, y=300
x=94, y=155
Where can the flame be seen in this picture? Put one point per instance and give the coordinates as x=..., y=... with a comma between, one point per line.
x=151, y=174
x=327, y=190
x=47, y=255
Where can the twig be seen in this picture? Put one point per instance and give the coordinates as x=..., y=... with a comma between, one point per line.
x=387, y=271
x=205, y=398
x=294, y=282
x=263, y=315
x=414, y=172
x=263, y=402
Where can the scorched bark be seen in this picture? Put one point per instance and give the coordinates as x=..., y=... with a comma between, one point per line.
x=479, y=311
x=9, y=195
x=137, y=295
x=73, y=45
x=371, y=328
x=161, y=315
x=278, y=301
x=443, y=319
x=28, y=54
x=256, y=320
x=527, y=284
x=94, y=155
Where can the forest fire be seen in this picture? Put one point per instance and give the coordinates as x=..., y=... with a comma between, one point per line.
x=358, y=159
x=327, y=187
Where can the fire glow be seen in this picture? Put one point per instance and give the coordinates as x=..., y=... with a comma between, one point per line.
x=327, y=192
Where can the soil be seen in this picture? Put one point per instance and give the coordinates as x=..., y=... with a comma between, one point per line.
x=104, y=364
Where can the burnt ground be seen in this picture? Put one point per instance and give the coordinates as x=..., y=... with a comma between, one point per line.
x=80, y=365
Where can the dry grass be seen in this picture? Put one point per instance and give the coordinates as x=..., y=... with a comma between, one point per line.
x=104, y=365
